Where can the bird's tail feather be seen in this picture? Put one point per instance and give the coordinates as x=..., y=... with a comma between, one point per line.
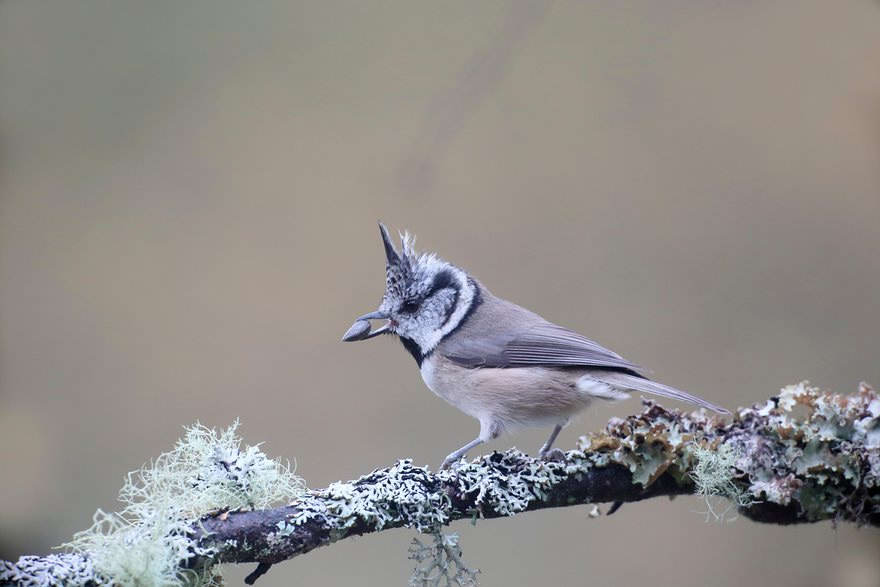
x=631, y=382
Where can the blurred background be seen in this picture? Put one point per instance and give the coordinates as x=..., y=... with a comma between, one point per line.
x=188, y=203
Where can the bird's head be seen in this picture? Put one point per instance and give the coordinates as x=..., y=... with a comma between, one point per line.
x=425, y=298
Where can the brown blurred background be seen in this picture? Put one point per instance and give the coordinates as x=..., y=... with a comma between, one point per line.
x=188, y=199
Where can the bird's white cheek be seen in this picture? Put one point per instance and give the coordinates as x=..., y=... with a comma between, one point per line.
x=428, y=373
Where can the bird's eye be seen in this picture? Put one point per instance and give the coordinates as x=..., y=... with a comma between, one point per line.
x=409, y=307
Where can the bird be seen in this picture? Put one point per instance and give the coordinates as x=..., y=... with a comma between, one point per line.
x=494, y=360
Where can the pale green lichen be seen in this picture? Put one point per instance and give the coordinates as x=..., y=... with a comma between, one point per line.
x=150, y=539
x=713, y=477
x=805, y=445
x=813, y=447
x=649, y=444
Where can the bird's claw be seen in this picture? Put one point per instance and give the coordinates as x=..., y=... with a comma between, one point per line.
x=614, y=507
x=555, y=455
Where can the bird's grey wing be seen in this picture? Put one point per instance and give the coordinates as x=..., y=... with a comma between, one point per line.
x=505, y=335
x=539, y=344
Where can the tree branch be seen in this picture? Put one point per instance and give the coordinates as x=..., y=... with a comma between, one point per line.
x=775, y=466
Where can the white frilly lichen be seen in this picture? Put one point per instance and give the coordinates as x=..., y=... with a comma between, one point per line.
x=510, y=482
x=410, y=496
x=149, y=540
x=398, y=493
x=54, y=569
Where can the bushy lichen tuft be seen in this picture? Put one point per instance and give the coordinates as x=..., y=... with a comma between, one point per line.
x=713, y=477
x=440, y=563
x=150, y=539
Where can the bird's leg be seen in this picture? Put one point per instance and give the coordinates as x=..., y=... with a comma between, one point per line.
x=489, y=430
x=555, y=454
x=453, y=457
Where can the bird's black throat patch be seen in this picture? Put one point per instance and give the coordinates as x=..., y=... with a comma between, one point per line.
x=413, y=348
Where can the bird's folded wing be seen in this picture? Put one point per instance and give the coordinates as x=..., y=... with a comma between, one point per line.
x=541, y=344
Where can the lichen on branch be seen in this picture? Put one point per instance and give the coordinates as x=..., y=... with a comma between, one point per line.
x=150, y=540
x=802, y=456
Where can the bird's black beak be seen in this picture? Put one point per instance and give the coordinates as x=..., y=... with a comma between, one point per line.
x=360, y=330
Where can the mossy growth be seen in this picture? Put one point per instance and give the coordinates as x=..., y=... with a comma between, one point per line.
x=148, y=542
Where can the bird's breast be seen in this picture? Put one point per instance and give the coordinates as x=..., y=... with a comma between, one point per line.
x=429, y=373
x=449, y=381
x=514, y=396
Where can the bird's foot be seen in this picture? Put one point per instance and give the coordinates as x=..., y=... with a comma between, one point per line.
x=555, y=455
x=449, y=462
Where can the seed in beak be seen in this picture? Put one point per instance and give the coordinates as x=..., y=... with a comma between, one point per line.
x=358, y=331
